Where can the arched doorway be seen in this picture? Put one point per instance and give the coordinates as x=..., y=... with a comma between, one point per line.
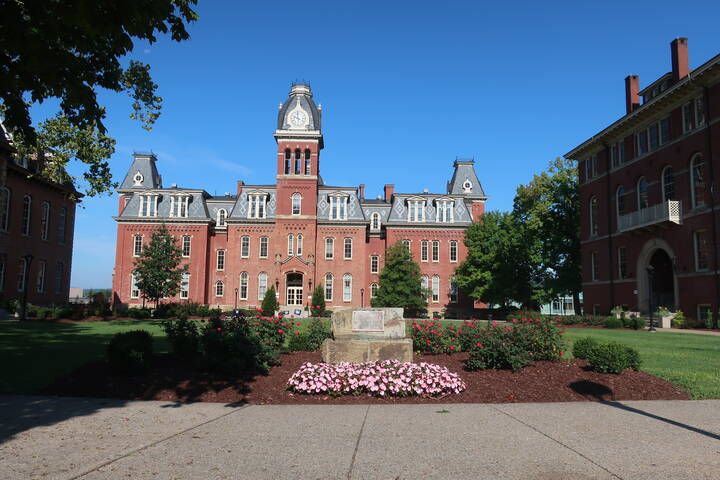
x=662, y=280
x=661, y=283
x=294, y=289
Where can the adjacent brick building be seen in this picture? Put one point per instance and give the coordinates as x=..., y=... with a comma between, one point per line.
x=648, y=193
x=297, y=233
x=37, y=221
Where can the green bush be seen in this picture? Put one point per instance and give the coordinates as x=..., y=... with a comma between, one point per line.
x=540, y=337
x=183, y=336
x=613, y=357
x=64, y=311
x=138, y=313
x=612, y=322
x=582, y=347
x=498, y=349
x=130, y=352
x=270, y=303
x=635, y=322
x=317, y=307
x=231, y=346
x=678, y=320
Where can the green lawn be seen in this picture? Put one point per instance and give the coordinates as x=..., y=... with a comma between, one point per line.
x=689, y=361
x=33, y=354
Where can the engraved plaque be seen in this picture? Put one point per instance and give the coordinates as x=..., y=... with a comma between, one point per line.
x=368, y=321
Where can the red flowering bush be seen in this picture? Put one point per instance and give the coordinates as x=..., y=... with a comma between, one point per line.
x=272, y=330
x=540, y=337
x=469, y=333
x=430, y=336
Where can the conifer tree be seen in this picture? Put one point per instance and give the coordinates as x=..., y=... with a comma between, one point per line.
x=158, y=270
x=269, y=303
x=318, y=302
x=400, y=283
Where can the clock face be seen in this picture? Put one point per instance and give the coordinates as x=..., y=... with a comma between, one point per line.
x=298, y=118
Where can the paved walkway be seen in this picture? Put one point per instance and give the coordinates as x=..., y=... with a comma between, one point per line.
x=68, y=438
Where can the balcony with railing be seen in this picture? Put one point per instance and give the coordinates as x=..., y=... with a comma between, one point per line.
x=669, y=211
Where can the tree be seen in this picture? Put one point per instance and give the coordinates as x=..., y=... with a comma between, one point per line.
x=549, y=209
x=68, y=51
x=158, y=270
x=400, y=283
x=269, y=303
x=497, y=269
x=317, y=308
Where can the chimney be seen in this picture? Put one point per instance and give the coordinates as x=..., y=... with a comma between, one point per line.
x=389, y=190
x=632, y=87
x=361, y=191
x=680, y=61
x=240, y=185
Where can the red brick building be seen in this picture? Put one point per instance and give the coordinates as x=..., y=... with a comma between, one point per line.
x=648, y=194
x=37, y=221
x=297, y=233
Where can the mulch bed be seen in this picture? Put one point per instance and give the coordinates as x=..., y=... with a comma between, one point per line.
x=540, y=382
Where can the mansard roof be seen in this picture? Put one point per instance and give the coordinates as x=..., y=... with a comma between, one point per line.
x=143, y=173
x=300, y=96
x=463, y=176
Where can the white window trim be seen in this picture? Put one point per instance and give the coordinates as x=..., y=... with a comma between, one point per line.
x=290, y=245
x=134, y=290
x=329, y=277
x=185, y=282
x=347, y=298
x=374, y=264
x=137, y=253
x=40, y=281
x=663, y=183
x=189, y=243
x=296, y=197
x=220, y=284
x=220, y=254
x=262, y=285
x=244, y=252
x=416, y=210
x=593, y=221
x=693, y=195
x=373, y=217
x=266, y=242
x=26, y=221
x=453, y=243
x=638, y=193
x=338, y=206
x=254, y=201
x=45, y=221
x=435, y=258
x=299, y=245
x=347, y=241
x=221, y=221
x=424, y=251
x=246, y=277
x=331, y=242
x=696, y=249
x=435, y=292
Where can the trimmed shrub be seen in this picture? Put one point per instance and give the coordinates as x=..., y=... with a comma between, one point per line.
x=317, y=308
x=635, y=322
x=130, y=352
x=540, y=337
x=430, y=336
x=270, y=303
x=138, y=313
x=231, y=346
x=183, y=336
x=678, y=320
x=271, y=330
x=582, y=347
x=613, y=357
x=612, y=322
x=497, y=348
x=469, y=333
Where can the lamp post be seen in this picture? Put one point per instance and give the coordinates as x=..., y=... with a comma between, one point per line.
x=651, y=289
x=362, y=298
x=26, y=274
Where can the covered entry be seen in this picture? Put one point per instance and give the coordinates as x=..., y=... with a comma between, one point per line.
x=656, y=282
x=294, y=289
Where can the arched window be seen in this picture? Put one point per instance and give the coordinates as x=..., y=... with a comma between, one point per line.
x=221, y=216
x=668, y=183
x=435, y=288
x=298, y=162
x=425, y=285
x=594, y=221
x=307, y=161
x=406, y=243
x=288, y=168
x=291, y=245
x=296, y=201
x=697, y=180
x=262, y=285
x=299, y=249
x=219, y=288
x=243, y=291
x=329, y=248
x=45, y=220
x=328, y=287
x=185, y=286
x=373, y=290
x=25, y=225
x=375, y=221
x=642, y=194
x=4, y=209
x=620, y=202
x=22, y=275
x=453, y=291
x=347, y=287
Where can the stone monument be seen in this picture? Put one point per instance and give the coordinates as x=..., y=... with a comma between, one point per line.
x=367, y=335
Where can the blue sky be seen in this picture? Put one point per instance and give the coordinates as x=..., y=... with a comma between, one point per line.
x=405, y=88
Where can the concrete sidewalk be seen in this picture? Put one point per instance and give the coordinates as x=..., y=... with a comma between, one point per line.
x=67, y=438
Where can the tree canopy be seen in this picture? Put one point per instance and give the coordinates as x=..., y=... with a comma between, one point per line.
x=68, y=50
x=158, y=271
x=400, y=283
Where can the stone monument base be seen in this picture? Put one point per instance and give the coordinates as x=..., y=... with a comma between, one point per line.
x=367, y=350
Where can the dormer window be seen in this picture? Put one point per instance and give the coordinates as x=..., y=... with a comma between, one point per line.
x=257, y=203
x=375, y=222
x=179, y=205
x=338, y=207
x=148, y=205
x=444, y=211
x=416, y=210
x=221, y=217
x=138, y=179
x=467, y=186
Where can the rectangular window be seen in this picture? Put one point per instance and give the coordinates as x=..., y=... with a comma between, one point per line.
x=59, y=277
x=435, y=251
x=687, y=114
x=243, y=286
x=594, y=266
x=347, y=288
x=45, y=221
x=220, y=260
x=263, y=247
x=453, y=251
x=42, y=266
x=416, y=211
x=148, y=205
x=642, y=142
x=328, y=287
x=245, y=246
x=654, y=136
x=186, y=246
x=134, y=290
x=262, y=285
x=444, y=211
x=3, y=260
x=25, y=225
x=348, y=249
x=622, y=263
x=62, y=218
x=424, y=251
x=137, y=245
x=329, y=248
x=256, y=205
x=374, y=264
x=699, y=112
x=435, y=289
x=702, y=250
x=453, y=292
x=185, y=286
x=664, y=130
x=338, y=207
x=22, y=267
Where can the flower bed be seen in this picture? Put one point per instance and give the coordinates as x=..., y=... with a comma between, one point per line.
x=386, y=378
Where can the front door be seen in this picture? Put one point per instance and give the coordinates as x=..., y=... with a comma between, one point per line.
x=295, y=296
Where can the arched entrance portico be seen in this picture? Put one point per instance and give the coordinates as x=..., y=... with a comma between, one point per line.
x=294, y=289
x=660, y=285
